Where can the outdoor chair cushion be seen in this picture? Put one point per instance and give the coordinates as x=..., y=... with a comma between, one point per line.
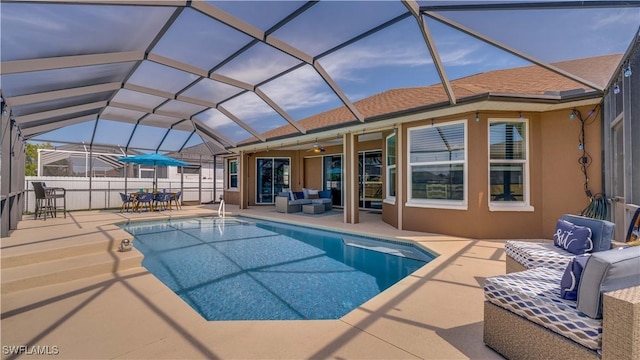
x=607, y=271
x=601, y=230
x=538, y=254
x=535, y=295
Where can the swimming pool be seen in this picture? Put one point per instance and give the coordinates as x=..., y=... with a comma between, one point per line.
x=249, y=269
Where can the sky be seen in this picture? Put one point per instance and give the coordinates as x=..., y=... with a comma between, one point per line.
x=393, y=57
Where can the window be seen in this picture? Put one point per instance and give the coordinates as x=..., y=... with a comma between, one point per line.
x=391, y=167
x=190, y=169
x=232, y=171
x=508, y=165
x=437, y=165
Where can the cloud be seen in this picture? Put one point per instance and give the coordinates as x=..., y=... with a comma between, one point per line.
x=258, y=64
x=616, y=18
x=35, y=19
x=344, y=64
x=214, y=118
x=302, y=88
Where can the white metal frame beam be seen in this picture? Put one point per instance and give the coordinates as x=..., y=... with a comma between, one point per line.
x=513, y=51
x=61, y=94
x=63, y=62
x=414, y=8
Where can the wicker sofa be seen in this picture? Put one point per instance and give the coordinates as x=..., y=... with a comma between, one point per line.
x=526, y=318
x=523, y=255
x=291, y=202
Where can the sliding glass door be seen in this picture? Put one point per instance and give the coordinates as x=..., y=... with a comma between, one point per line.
x=272, y=175
x=332, y=169
x=370, y=179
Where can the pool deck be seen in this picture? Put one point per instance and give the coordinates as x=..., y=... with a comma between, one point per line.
x=124, y=312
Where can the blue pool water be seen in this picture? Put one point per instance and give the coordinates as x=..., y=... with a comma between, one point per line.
x=247, y=269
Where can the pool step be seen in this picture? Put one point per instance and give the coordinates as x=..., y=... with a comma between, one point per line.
x=16, y=252
x=67, y=269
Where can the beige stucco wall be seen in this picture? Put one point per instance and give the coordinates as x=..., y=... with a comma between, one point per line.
x=232, y=197
x=556, y=181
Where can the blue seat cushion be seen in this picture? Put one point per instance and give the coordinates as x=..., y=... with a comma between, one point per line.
x=601, y=230
x=321, y=201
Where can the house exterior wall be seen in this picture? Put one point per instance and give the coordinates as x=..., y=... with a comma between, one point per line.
x=556, y=182
x=232, y=197
x=313, y=172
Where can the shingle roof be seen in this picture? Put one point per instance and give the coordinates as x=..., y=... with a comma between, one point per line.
x=528, y=80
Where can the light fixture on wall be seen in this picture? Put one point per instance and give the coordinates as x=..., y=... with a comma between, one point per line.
x=573, y=114
x=477, y=117
x=616, y=89
x=520, y=117
x=627, y=71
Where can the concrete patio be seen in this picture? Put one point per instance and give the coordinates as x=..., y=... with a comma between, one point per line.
x=66, y=288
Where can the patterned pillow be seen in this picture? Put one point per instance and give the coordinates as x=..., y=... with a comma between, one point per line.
x=571, y=277
x=573, y=238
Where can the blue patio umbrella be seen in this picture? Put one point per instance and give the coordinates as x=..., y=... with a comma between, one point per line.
x=154, y=159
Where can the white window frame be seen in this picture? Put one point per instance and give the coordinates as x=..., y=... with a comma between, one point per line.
x=229, y=174
x=389, y=199
x=516, y=206
x=439, y=204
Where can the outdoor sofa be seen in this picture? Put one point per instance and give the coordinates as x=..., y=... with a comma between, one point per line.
x=525, y=316
x=573, y=298
x=289, y=201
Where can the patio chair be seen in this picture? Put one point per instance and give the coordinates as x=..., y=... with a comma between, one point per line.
x=162, y=200
x=145, y=199
x=175, y=199
x=127, y=202
x=47, y=200
x=43, y=203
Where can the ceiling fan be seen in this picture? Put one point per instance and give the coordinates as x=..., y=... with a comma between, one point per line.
x=316, y=148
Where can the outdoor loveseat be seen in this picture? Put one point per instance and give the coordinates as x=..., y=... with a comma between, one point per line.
x=289, y=201
x=568, y=302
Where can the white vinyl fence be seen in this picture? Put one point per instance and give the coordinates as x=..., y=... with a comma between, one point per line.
x=105, y=192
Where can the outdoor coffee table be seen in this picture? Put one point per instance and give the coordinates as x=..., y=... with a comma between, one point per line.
x=313, y=208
